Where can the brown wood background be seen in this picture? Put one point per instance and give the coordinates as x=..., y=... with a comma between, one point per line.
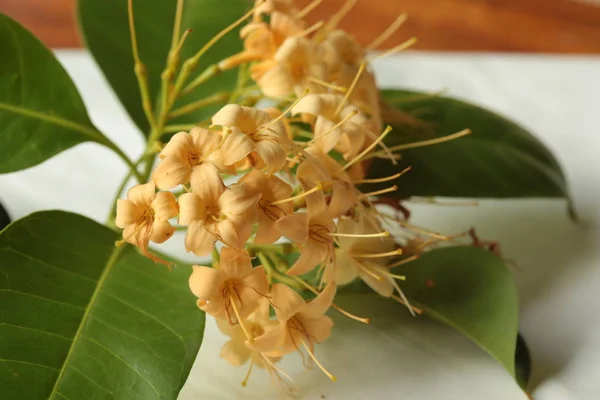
x=546, y=26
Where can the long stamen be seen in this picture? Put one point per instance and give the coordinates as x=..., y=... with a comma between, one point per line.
x=387, y=33
x=369, y=271
x=429, y=142
x=425, y=231
x=311, y=29
x=237, y=315
x=333, y=128
x=333, y=305
x=284, y=112
x=337, y=17
x=301, y=195
x=416, y=310
x=350, y=89
x=403, y=298
x=361, y=235
x=385, y=179
x=279, y=371
x=326, y=84
x=368, y=149
x=378, y=192
x=401, y=262
x=311, y=354
x=302, y=13
x=397, y=49
x=377, y=255
x=245, y=381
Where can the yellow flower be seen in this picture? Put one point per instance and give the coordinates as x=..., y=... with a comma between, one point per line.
x=186, y=155
x=337, y=125
x=357, y=256
x=271, y=189
x=299, y=323
x=250, y=130
x=233, y=290
x=145, y=215
x=311, y=232
x=214, y=212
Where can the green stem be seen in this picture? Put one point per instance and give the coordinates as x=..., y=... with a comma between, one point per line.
x=219, y=97
x=132, y=166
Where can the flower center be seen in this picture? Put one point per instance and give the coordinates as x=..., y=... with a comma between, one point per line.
x=319, y=234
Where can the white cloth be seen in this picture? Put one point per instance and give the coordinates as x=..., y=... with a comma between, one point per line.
x=558, y=273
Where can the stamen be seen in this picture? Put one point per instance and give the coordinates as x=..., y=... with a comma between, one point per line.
x=369, y=272
x=430, y=142
x=400, y=277
x=237, y=315
x=311, y=29
x=302, y=13
x=326, y=84
x=361, y=235
x=333, y=305
x=337, y=17
x=425, y=231
x=385, y=179
x=414, y=309
x=245, y=381
x=350, y=89
x=402, y=262
x=333, y=128
x=368, y=149
x=403, y=299
x=301, y=195
x=378, y=192
x=311, y=354
x=376, y=255
x=279, y=371
x=282, y=115
x=387, y=33
x=397, y=49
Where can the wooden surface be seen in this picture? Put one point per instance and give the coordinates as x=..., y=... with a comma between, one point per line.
x=546, y=26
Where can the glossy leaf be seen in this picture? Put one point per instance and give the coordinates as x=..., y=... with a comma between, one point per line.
x=105, y=28
x=82, y=319
x=41, y=112
x=471, y=290
x=499, y=159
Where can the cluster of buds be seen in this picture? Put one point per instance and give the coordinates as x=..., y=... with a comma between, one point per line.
x=294, y=222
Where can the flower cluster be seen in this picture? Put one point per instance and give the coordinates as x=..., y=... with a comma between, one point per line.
x=294, y=222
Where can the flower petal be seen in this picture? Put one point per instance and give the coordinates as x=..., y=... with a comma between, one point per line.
x=161, y=231
x=205, y=281
x=270, y=340
x=236, y=146
x=277, y=81
x=127, y=213
x=294, y=226
x=286, y=301
x=198, y=240
x=165, y=206
x=171, y=172
x=237, y=200
x=227, y=232
x=318, y=328
x=207, y=183
x=267, y=232
x=204, y=141
x=178, y=146
x=235, y=263
x=257, y=280
x=235, y=352
x=191, y=209
x=310, y=257
x=384, y=286
x=320, y=304
x=142, y=194
x=343, y=199
x=346, y=269
x=273, y=155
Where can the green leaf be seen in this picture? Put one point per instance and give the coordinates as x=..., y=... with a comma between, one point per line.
x=81, y=319
x=104, y=26
x=471, y=290
x=41, y=112
x=499, y=159
x=522, y=363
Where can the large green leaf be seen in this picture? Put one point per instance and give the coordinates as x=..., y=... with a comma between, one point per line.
x=81, y=319
x=41, y=112
x=471, y=290
x=105, y=29
x=499, y=159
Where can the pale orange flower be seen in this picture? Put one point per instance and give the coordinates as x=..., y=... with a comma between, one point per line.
x=145, y=215
x=299, y=323
x=233, y=290
x=186, y=155
x=296, y=65
x=271, y=189
x=214, y=212
x=236, y=350
x=323, y=168
x=346, y=46
x=271, y=6
x=311, y=232
x=358, y=256
x=252, y=131
x=337, y=126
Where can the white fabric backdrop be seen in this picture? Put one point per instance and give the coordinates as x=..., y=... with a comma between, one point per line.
x=559, y=263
